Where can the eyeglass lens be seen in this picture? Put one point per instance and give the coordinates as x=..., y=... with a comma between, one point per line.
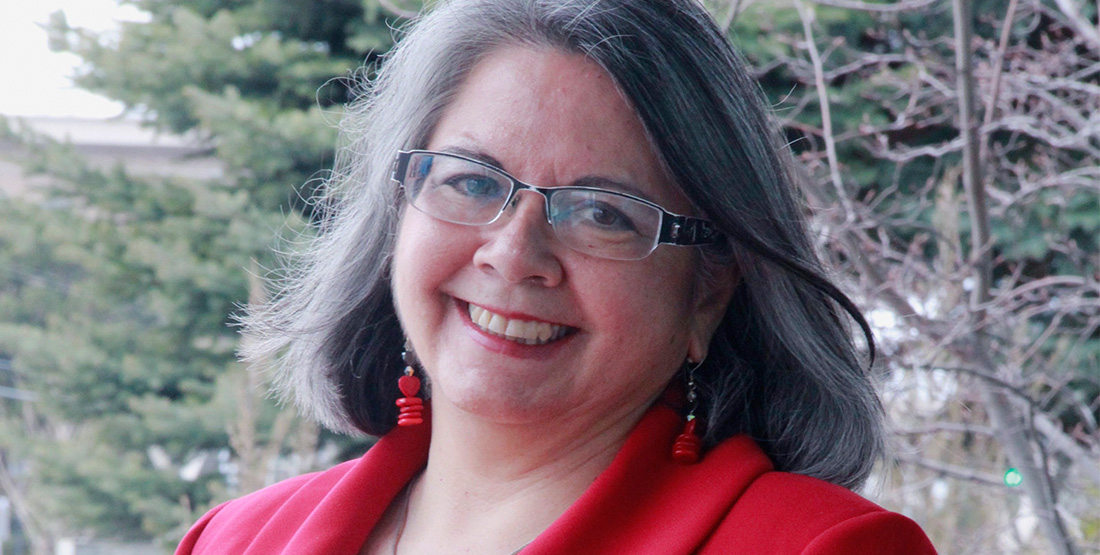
x=593, y=221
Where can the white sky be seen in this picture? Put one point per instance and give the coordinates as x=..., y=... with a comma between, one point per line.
x=35, y=81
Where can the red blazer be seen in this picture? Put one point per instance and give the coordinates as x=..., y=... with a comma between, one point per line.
x=731, y=501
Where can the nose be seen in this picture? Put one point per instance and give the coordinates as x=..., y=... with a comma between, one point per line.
x=520, y=246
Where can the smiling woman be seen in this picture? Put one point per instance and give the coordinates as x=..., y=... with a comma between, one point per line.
x=557, y=119
x=571, y=221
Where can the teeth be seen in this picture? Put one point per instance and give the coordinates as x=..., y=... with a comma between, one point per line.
x=498, y=324
x=483, y=318
x=544, y=333
x=520, y=331
x=516, y=328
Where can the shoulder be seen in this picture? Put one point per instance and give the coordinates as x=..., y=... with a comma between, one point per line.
x=790, y=513
x=324, y=512
x=239, y=519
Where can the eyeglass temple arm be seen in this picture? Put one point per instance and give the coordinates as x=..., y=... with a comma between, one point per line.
x=400, y=166
x=685, y=231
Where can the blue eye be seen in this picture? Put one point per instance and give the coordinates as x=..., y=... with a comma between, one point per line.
x=475, y=186
x=425, y=166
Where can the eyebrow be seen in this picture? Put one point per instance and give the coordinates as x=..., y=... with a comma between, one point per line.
x=474, y=154
x=592, y=181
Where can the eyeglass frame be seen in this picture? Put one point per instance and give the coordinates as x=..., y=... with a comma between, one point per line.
x=675, y=229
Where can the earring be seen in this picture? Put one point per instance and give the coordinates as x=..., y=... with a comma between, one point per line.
x=412, y=407
x=686, y=448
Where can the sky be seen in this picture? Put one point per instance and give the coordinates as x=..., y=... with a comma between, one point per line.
x=35, y=81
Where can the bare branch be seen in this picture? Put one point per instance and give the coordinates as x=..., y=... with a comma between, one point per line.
x=1088, y=459
x=826, y=115
x=957, y=472
x=905, y=5
x=998, y=71
x=1078, y=22
x=394, y=9
x=947, y=427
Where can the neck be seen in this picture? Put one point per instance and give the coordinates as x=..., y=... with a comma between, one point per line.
x=491, y=487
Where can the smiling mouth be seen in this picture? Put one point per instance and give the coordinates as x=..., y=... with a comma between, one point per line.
x=524, y=332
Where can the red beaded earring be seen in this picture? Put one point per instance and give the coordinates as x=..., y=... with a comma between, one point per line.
x=412, y=407
x=687, y=447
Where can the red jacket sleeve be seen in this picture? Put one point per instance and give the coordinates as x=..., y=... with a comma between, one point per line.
x=783, y=513
x=187, y=544
x=876, y=533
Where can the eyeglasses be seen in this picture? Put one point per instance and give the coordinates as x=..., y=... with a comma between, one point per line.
x=594, y=221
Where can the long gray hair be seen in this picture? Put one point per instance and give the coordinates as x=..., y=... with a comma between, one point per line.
x=782, y=367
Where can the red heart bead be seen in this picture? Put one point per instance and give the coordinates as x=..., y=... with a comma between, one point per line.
x=409, y=385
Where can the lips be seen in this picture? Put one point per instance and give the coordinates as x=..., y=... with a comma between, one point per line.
x=524, y=332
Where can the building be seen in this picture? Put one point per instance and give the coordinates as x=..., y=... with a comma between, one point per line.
x=106, y=143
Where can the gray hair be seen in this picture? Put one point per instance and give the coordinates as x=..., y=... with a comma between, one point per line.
x=782, y=367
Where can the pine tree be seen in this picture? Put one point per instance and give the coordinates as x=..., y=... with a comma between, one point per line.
x=117, y=292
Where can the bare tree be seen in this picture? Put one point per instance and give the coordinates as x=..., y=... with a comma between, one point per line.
x=973, y=247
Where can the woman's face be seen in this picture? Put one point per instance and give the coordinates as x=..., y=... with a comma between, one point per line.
x=618, y=330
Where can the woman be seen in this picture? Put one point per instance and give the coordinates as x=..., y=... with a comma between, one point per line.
x=570, y=344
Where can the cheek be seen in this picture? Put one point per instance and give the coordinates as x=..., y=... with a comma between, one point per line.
x=423, y=258
x=647, y=307
x=404, y=281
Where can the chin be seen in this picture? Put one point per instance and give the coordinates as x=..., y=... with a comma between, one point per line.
x=505, y=403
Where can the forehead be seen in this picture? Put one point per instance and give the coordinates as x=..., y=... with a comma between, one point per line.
x=551, y=118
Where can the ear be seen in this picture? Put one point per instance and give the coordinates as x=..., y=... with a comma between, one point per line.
x=712, y=297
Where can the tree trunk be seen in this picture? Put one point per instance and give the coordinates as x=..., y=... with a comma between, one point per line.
x=1011, y=427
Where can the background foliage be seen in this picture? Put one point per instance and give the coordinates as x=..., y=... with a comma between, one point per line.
x=116, y=292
